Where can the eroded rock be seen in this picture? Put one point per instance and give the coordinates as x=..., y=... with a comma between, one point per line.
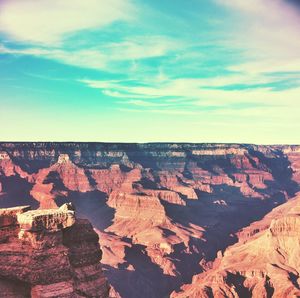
x=54, y=255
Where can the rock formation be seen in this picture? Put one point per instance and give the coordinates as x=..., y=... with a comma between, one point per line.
x=163, y=211
x=264, y=263
x=49, y=253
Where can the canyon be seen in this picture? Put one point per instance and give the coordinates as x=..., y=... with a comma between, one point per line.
x=166, y=214
x=49, y=253
x=264, y=263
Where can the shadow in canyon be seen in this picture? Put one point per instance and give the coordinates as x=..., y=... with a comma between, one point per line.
x=220, y=223
x=144, y=279
x=16, y=192
x=91, y=205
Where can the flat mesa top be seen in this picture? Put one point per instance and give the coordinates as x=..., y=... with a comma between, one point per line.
x=42, y=212
x=49, y=219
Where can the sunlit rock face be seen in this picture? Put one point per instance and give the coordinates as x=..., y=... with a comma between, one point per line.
x=264, y=263
x=163, y=211
x=49, y=253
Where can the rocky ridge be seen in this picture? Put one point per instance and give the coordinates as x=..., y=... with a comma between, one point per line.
x=264, y=263
x=49, y=253
x=163, y=211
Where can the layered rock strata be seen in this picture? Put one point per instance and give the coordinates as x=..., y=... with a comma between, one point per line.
x=49, y=253
x=264, y=263
x=163, y=210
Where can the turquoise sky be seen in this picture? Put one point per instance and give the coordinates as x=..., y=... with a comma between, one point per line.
x=151, y=70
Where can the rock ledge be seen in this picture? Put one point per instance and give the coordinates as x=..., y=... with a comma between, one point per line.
x=49, y=253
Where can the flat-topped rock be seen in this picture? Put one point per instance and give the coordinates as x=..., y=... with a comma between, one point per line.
x=47, y=219
x=49, y=253
x=8, y=216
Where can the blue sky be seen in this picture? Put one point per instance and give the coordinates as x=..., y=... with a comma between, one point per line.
x=151, y=70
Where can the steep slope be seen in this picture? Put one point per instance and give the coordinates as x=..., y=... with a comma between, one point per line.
x=160, y=209
x=264, y=263
x=49, y=253
x=58, y=179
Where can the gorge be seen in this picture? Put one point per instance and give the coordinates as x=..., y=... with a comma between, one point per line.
x=169, y=214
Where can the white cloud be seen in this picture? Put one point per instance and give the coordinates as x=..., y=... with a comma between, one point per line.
x=268, y=65
x=103, y=56
x=165, y=112
x=195, y=92
x=264, y=108
x=83, y=58
x=49, y=21
x=140, y=47
x=144, y=103
x=268, y=34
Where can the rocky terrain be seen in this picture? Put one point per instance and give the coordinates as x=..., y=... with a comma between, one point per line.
x=49, y=253
x=264, y=263
x=163, y=212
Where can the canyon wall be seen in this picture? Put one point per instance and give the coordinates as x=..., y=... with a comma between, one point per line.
x=162, y=211
x=264, y=263
x=49, y=253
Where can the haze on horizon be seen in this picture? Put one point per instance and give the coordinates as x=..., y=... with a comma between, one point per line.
x=151, y=70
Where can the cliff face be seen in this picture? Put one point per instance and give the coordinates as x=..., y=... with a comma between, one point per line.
x=163, y=211
x=49, y=253
x=264, y=263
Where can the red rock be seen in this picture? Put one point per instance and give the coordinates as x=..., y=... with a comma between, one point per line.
x=113, y=248
x=8, y=168
x=138, y=207
x=166, y=195
x=266, y=263
x=54, y=256
x=172, y=182
x=154, y=236
x=293, y=155
x=73, y=177
x=46, y=219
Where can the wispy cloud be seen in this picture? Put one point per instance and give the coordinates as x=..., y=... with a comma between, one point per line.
x=267, y=33
x=165, y=112
x=143, y=103
x=82, y=58
x=102, y=57
x=49, y=21
x=218, y=62
x=198, y=92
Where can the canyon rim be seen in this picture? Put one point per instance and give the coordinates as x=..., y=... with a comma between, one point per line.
x=164, y=214
x=149, y=149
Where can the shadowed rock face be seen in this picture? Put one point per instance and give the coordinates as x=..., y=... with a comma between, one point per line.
x=264, y=263
x=49, y=253
x=162, y=211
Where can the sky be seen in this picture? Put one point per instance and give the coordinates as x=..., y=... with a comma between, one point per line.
x=150, y=71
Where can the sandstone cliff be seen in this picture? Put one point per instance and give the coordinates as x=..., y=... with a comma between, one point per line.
x=264, y=263
x=162, y=211
x=49, y=253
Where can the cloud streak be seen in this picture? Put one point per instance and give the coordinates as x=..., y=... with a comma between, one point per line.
x=216, y=62
x=199, y=92
x=48, y=22
x=104, y=56
x=267, y=33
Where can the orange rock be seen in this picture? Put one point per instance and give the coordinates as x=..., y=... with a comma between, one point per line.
x=54, y=256
x=265, y=264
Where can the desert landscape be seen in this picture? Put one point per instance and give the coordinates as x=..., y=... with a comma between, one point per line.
x=173, y=219
x=149, y=149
